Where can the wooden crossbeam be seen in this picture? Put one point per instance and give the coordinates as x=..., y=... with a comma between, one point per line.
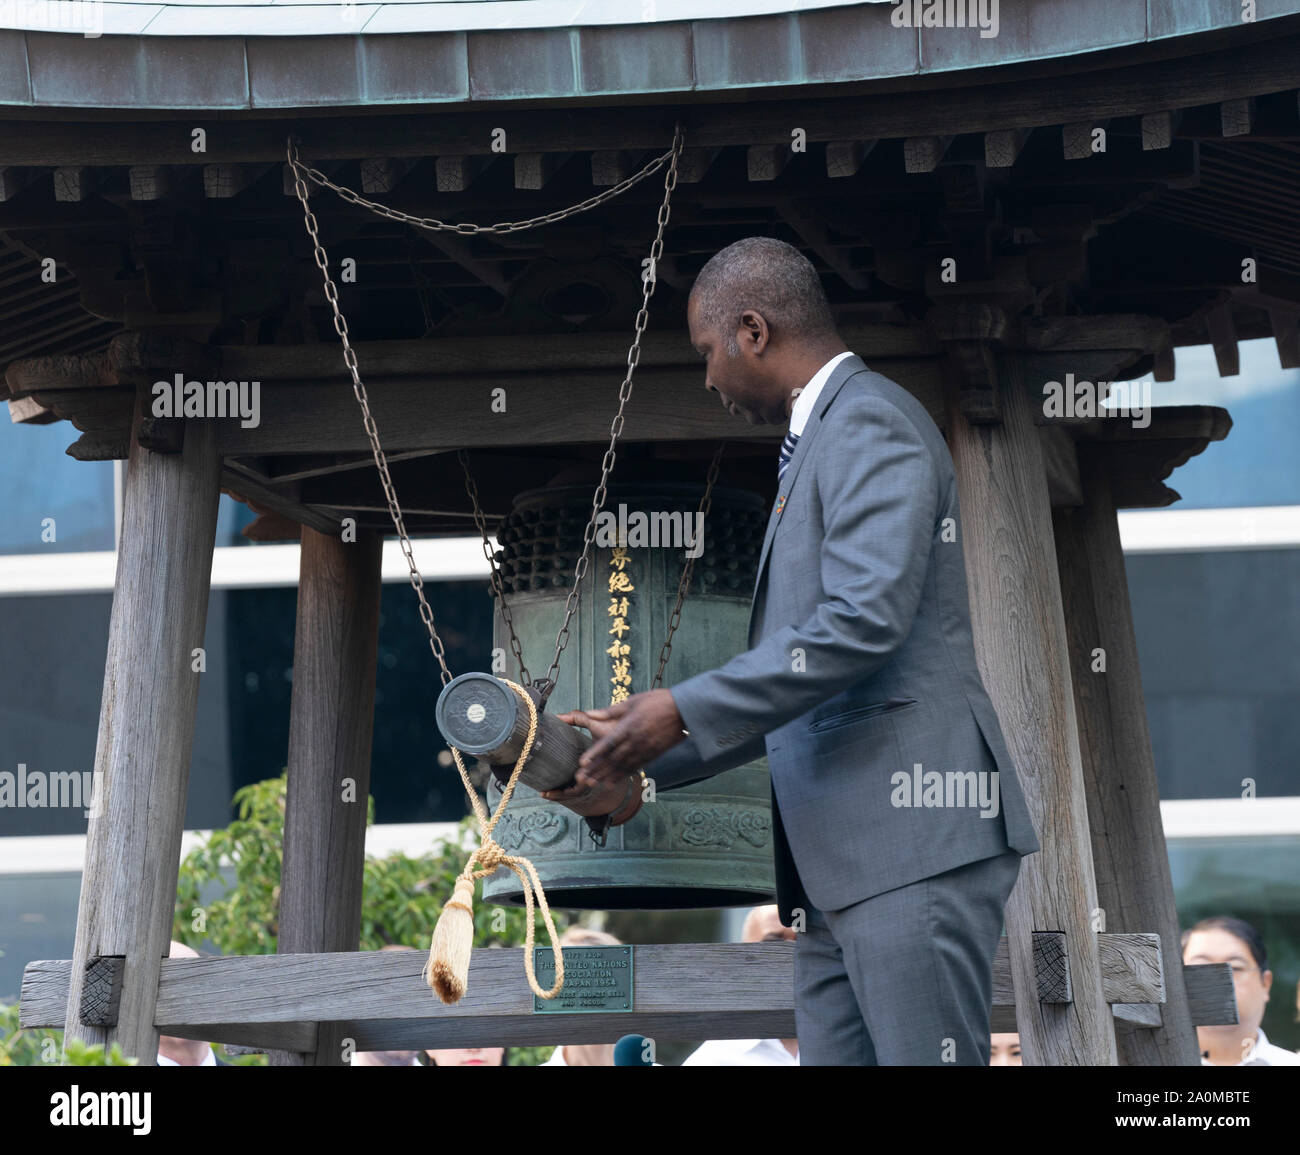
x=29, y=411
x=289, y=183
x=72, y=183
x=612, y=166
x=1002, y=146
x=1223, y=336
x=1158, y=129
x=149, y=182
x=766, y=161
x=140, y=357
x=381, y=174
x=683, y=991
x=1108, y=331
x=694, y=163
x=223, y=181
x=534, y=169
x=1076, y=138
x=457, y=173
x=1237, y=117
x=1286, y=333
x=923, y=153
x=845, y=157
x=14, y=180
x=101, y=992
x=1163, y=369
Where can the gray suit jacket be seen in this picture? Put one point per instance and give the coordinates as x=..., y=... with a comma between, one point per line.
x=861, y=680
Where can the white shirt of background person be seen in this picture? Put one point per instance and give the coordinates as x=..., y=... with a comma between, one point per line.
x=1264, y=1054
x=209, y=1060
x=762, y=924
x=1251, y=985
x=741, y=1053
x=384, y=1059
x=174, y=1052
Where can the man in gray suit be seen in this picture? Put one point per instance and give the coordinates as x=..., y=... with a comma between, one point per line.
x=898, y=819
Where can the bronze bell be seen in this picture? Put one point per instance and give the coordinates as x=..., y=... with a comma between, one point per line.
x=704, y=845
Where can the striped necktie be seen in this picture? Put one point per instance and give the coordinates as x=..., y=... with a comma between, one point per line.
x=787, y=452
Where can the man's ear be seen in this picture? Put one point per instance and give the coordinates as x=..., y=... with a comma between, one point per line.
x=754, y=330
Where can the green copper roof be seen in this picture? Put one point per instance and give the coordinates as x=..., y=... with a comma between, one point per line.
x=188, y=54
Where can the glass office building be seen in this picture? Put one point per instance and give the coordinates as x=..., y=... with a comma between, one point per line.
x=1214, y=583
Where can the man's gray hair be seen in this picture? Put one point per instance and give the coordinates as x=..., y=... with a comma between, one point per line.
x=767, y=275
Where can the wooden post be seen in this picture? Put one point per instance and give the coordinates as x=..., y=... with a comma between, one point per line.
x=331, y=720
x=1020, y=645
x=146, y=731
x=1134, y=888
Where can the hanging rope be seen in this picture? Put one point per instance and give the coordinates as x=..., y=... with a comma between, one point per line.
x=447, y=969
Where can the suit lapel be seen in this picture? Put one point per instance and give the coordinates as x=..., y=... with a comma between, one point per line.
x=841, y=373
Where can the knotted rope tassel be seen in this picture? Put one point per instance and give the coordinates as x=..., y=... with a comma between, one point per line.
x=447, y=970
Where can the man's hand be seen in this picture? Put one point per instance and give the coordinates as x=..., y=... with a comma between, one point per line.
x=623, y=795
x=628, y=735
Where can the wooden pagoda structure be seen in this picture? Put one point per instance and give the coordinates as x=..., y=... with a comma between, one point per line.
x=1083, y=194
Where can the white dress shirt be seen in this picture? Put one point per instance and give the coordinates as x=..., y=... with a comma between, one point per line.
x=807, y=399
x=356, y=1062
x=210, y=1061
x=1265, y=1054
x=557, y=1060
x=741, y=1053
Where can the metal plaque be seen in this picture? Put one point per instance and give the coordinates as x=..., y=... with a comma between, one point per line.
x=596, y=978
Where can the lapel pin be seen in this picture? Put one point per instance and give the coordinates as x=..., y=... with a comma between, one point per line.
x=780, y=504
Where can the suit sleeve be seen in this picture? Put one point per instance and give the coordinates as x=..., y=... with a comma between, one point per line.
x=682, y=765
x=879, y=491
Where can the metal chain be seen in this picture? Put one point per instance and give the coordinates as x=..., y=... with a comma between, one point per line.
x=301, y=174
x=674, y=619
x=468, y=229
x=498, y=589
x=616, y=426
x=372, y=432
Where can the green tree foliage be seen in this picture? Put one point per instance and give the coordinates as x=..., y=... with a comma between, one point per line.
x=19, y=1048
x=229, y=891
x=81, y=1054
x=31, y=1048
x=228, y=901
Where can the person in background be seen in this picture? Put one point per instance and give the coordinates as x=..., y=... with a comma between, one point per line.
x=587, y=1054
x=387, y=1058
x=1241, y=1044
x=762, y=924
x=468, y=1057
x=174, y=1052
x=1005, y=1050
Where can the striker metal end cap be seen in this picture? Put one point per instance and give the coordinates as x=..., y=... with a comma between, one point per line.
x=476, y=712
